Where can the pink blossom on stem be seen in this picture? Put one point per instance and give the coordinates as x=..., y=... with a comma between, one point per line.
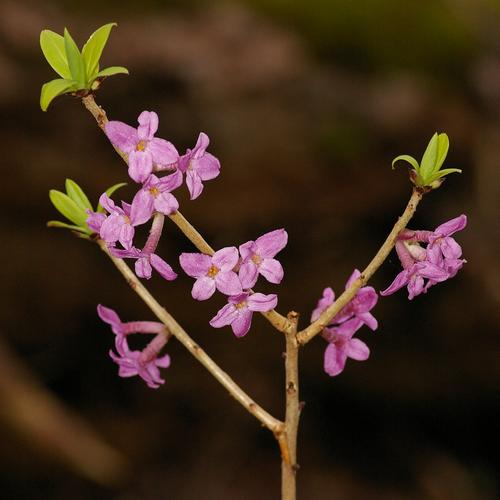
x=423, y=268
x=146, y=262
x=155, y=195
x=212, y=272
x=144, y=150
x=145, y=363
x=239, y=310
x=199, y=166
x=257, y=258
x=342, y=345
x=359, y=307
x=119, y=224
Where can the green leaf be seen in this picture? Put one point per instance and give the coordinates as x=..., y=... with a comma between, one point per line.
x=429, y=158
x=447, y=171
x=52, y=89
x=52, y=45
x=67, y=207
x=76, y=193
x=75, y=60
x=63, y=225
x=109, y=192
x=407, y=158
x=112, y=70
x=92, y=50
x=442, y=150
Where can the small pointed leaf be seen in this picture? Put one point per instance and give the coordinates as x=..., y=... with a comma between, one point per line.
x=63, y=225
x=407, y=158
x=429, y=158
x=92, y=50
x=52, y=89
x=52, y=45
x=442, y=150
x=447, y=171
x=109, y=192
x=75, y=59
x=76, y=193
x=67, y=207
x=112, y=70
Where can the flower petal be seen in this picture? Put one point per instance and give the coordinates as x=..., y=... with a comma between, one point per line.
x=203, y=288
x=399, y=282
x=148, y=125
x=334, y=360
x=163, y=152
x=164, y=269
x=208, y=167
x=248, y=274
x=225, y=258
x=269, y=244
x=166, y=203
x=195, y=264
x=452, y=226
x=193, y=183
x=227, y=282
x=242, y=323
x=143, y=268
x=224, y=316
x=121, y=135
x=140, y=165
x=109, y=316
x=323, y=303
x=142, y=207
x=356, y=349
x=260, y=302
x=170, y=182
x=272, y=270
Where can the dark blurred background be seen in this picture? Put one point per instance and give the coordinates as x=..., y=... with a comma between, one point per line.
x=306, y=104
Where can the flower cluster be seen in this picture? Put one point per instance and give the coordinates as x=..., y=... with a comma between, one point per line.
x=233, y=272
x=145, y=363
x=424, y=267
x=147, y=156
x=341, y=329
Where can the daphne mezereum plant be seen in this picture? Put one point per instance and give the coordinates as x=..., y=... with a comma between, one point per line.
x=154, y=164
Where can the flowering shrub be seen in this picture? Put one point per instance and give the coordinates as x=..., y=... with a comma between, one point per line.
x=154, y=164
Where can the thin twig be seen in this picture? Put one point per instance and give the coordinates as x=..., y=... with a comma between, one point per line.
x=273, y=424
x=317, y=326
x=276, y=319
x=288, y=447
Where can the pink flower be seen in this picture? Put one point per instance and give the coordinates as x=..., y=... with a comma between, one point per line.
x=339, y=334
x=359, y=307
x=199, y=166
x=146, y=262
x=144, y=150
x=239, y=310
x=145, y=363
x=119, y=224
x=342, y=345
x=423, y=268
x=212, y=272
x=155, y=195
x=257, y=257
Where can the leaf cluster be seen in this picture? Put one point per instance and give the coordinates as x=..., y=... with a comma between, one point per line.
x=79, y=71
x=429, y=173
x=74, y=205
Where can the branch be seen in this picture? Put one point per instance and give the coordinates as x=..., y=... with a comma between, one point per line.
x=317, y=326
x=273, y=424
x=288, y=440
x=276, y=319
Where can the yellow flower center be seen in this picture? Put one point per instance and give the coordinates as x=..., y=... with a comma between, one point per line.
x=212, y=272
x=141, y=146
x=126, y=218
x=256, y=259
x=240, y=305
x=154, y=191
